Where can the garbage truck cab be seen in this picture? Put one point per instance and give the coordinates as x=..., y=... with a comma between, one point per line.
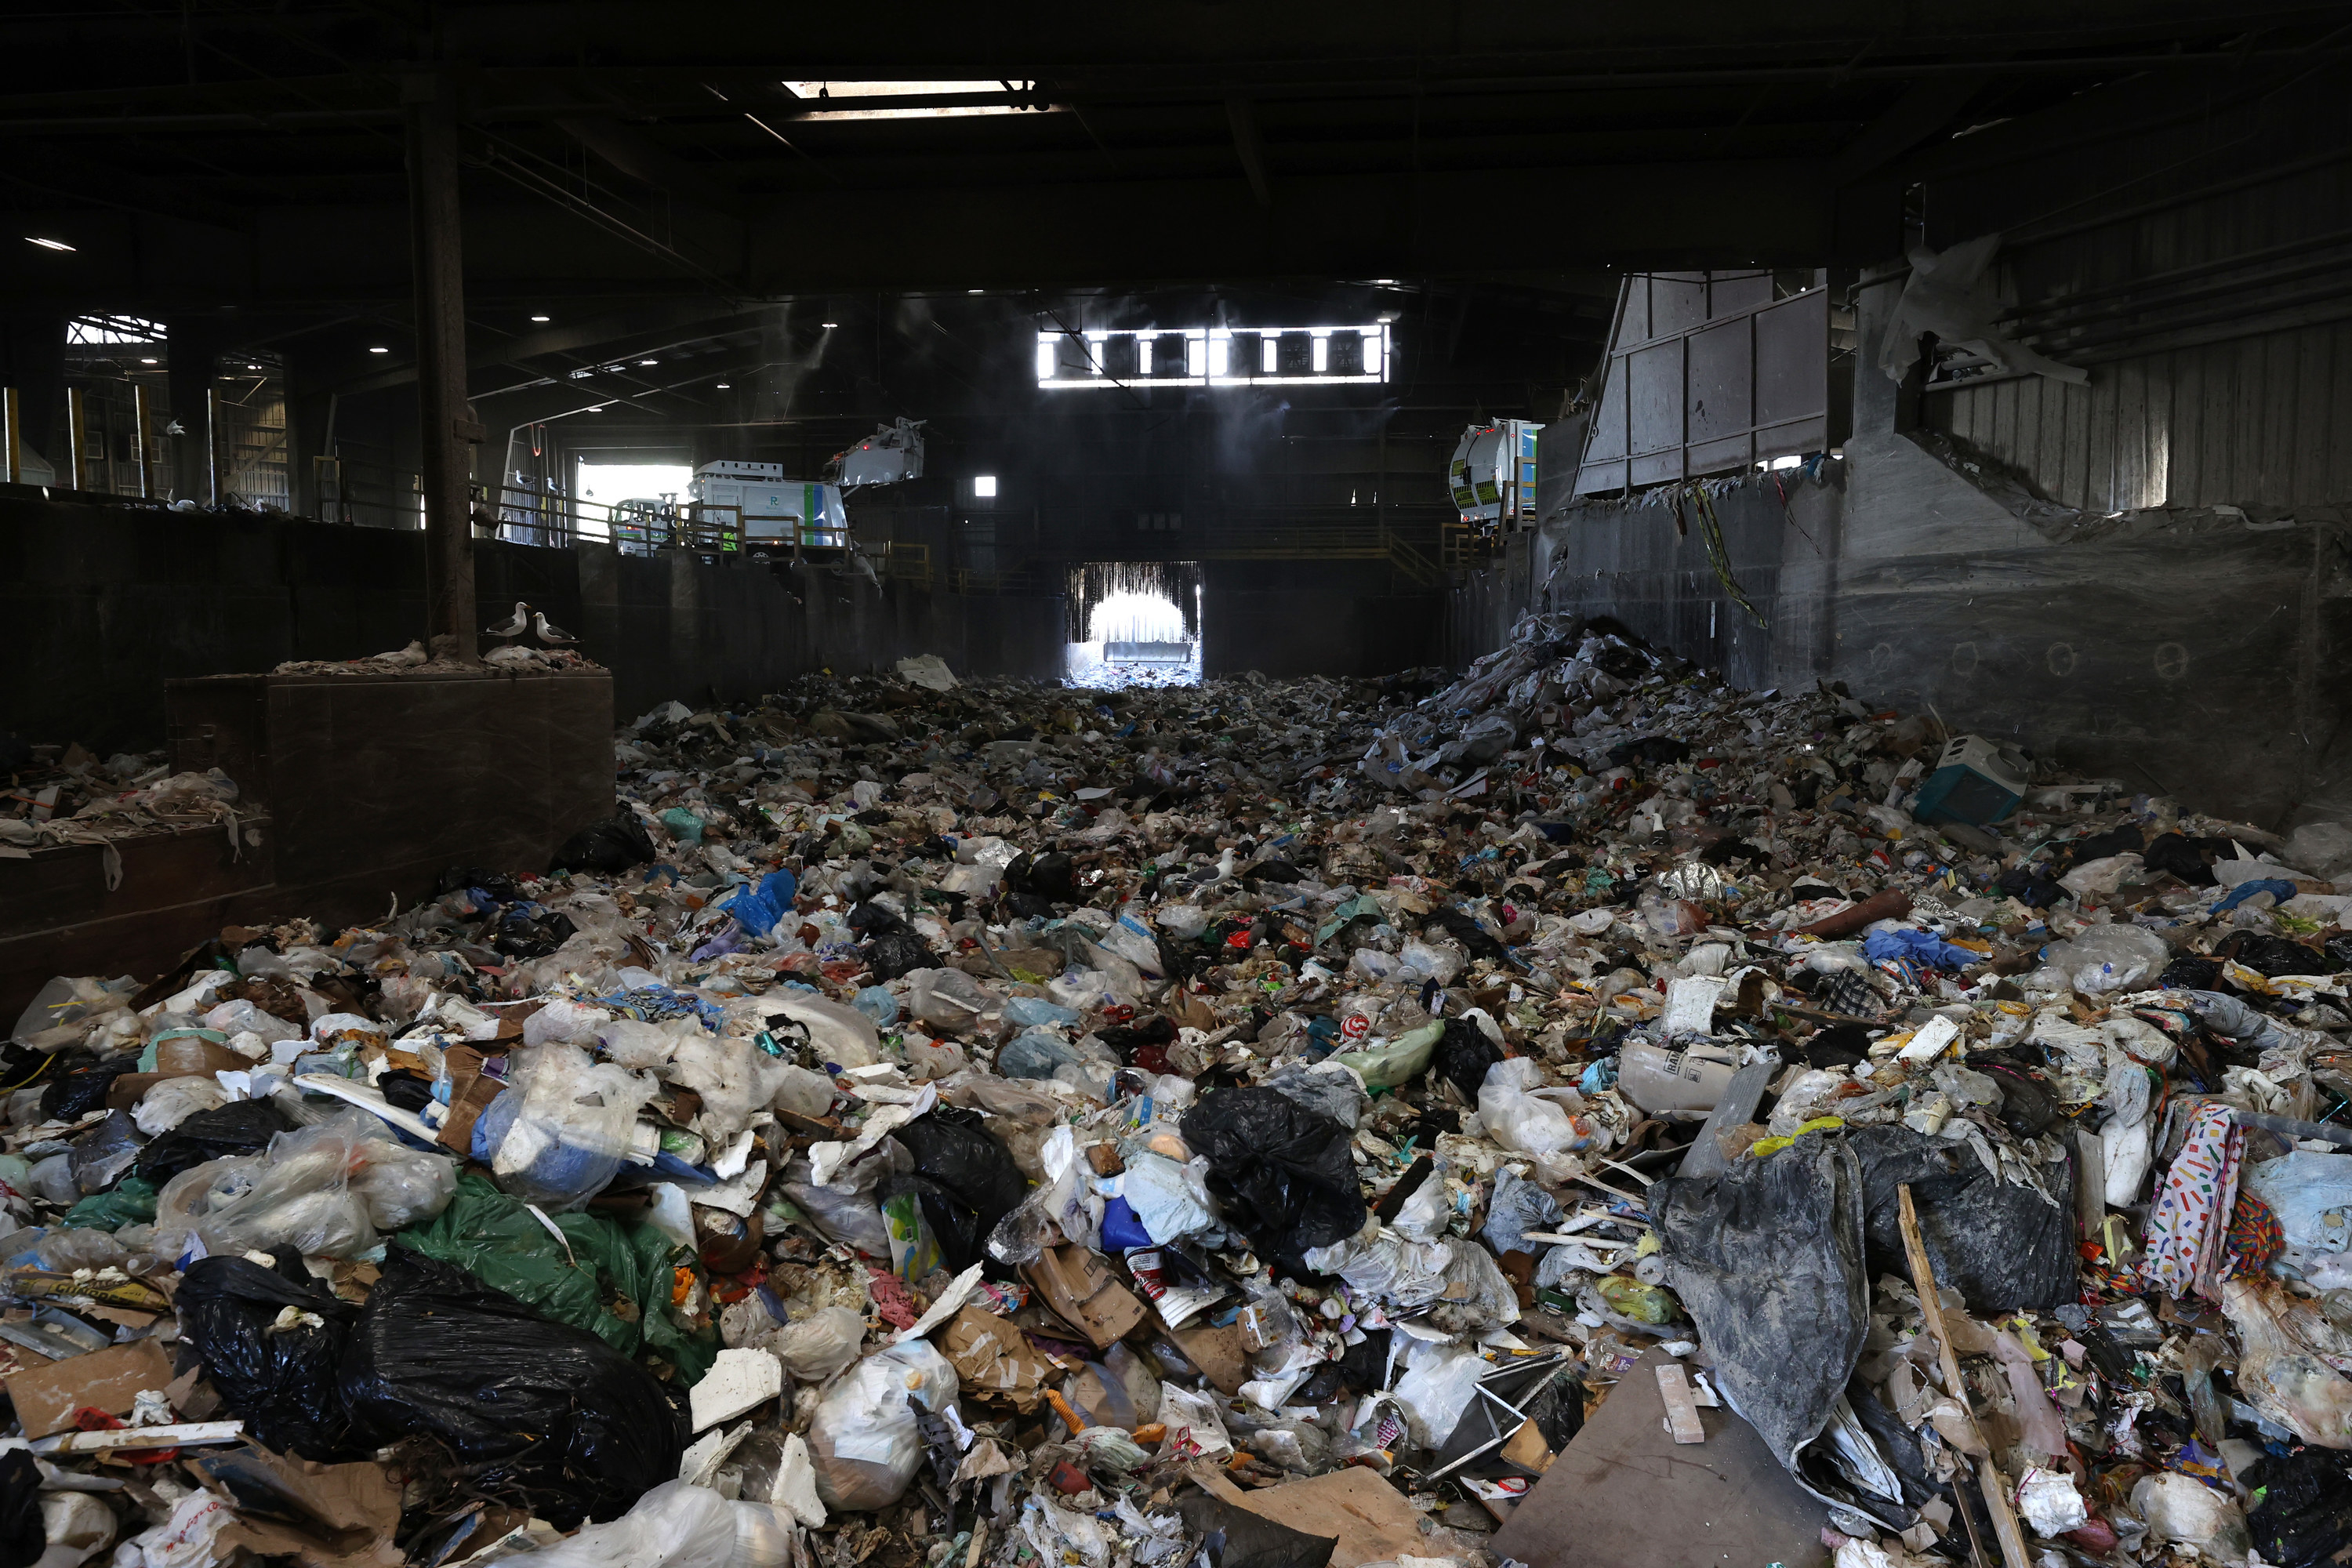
x=774, y=515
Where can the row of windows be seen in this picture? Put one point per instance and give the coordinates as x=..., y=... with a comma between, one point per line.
x=1214, y=356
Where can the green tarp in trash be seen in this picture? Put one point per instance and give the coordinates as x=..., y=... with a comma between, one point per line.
x=508, y=1249
x=129, y=1201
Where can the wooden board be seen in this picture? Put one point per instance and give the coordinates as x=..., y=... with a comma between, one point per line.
x=1624, y=1494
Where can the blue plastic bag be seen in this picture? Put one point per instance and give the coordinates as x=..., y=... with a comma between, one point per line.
x=1920, y=946
x=757, y=909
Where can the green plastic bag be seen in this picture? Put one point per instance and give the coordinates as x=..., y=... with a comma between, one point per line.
x=506, y=1246
x=684, y=824
x=130, y=1201
x=1400, y=1060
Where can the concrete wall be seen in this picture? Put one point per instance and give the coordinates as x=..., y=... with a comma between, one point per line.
x=1339, y=617
x=102, y=603
x=2191, y=652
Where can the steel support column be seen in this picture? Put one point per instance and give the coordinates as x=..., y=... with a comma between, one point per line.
x=446, y=424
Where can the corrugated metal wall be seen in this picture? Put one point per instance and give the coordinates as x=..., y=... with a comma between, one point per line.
x=2204, y=277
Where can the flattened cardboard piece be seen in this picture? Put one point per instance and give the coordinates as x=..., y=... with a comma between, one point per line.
x=1371, y=1518
x=1624, y=1494
x=110, y=1379
x=1220, y=1353
x=1077, y=1287
x=458, y=1131
x=323, y=1516
x=993, y=1359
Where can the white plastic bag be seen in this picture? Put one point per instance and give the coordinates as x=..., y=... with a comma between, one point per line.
x=815, y=1347
x=557, y=1135
x=174, y=1100
x=864, y=1439
x=675, y=1526
x=1521, y=1115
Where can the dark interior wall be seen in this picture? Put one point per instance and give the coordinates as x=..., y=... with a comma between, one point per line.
x=103, y=603
x=1343, y=618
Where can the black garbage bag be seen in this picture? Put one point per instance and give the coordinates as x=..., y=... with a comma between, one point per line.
x=1281, y=1172
x=78, y=1093
x=534, y=1408
x=2275, y=955
x=1766, y=1258
x=901, y=952
x=966, y=1180
x=2124, y=840
x=245, y=1126
x=2302, y=1515
x=2191, y=972
x=1652, y=749
x=611, y=846
x=1468, y=932
x=464, y=879
x=1234, y=1537
x=1052, y=877
x=282, y=1382
x=2003, y=1247
x=874, y=919
x=23, y=1537
x=529, y=932
x=406, y=1090
x=2032, y=886
x=1123, y=1040
x=2171, y=852
x=1464, y=1055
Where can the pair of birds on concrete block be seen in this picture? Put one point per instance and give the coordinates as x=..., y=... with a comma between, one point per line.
x=526, y=619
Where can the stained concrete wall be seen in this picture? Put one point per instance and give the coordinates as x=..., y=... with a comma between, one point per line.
x=102, y=603
x=2194, y=652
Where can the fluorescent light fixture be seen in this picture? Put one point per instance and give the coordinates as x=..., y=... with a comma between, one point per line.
x=48, y=244
x=650, y=362
x=831, y=98
x=984, y=484
x=1210, y=360
x=147, y=361
x=972, y=290
x=724, y=385
x=828, y=326
x=538, y=317
x=379, y=351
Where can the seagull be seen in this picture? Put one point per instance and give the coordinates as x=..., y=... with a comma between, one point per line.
x=514, y=625
x=547, y=631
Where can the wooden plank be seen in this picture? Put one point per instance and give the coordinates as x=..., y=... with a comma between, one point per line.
x=2185, y=455
x=2028, y=436
x=2131, y=434
x=1994, y=1485
x=1681, y=1411
x=2315, y=377
x=2099, y=453
x=2077, y=488
x=2278, y=419
x=2339, y=435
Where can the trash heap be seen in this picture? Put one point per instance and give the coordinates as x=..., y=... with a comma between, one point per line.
x=1289, y=1122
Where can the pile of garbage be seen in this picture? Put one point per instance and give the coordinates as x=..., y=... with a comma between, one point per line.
x=1292, y=1122
x=64, y=795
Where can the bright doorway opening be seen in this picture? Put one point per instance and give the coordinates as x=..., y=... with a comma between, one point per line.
x=609, y=484
x=1134, y=623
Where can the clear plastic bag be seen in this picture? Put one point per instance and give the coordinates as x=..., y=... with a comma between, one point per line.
x=815, y=1347
x=2280, y=1369
x=863, y=1439
x=2107, y=958
x=329, y=1190
x=556, y=1136
x=946, y=998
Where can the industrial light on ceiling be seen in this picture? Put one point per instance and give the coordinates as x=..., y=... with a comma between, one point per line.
x=650, y=362
x=972, y=290
x=837, y=99
x=1221, y=356
x=47, y=244
x=379, y=351
x=983, y=485
x=829, y=325
x=147, y=361
x=538, y=317
x=724, y=385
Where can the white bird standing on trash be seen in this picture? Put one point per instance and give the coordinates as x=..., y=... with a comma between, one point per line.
x=515, y=625
x=549, y=632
